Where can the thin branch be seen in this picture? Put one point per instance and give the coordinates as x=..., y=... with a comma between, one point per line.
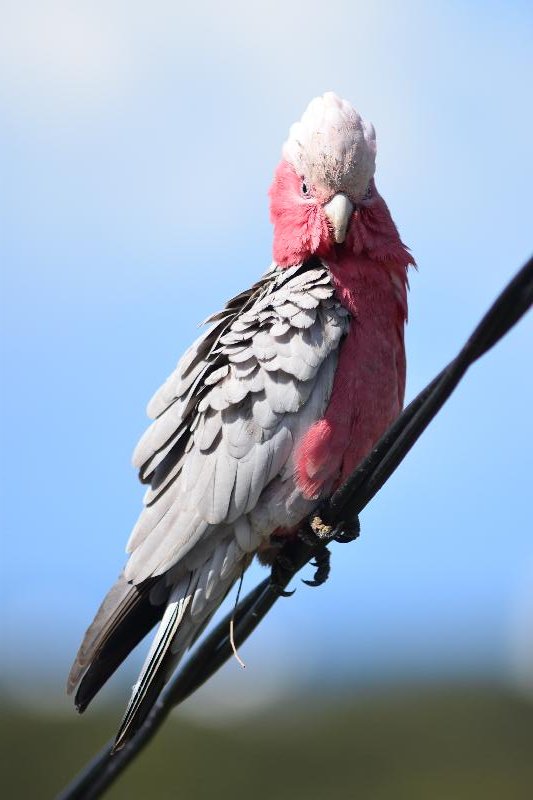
x=341, y=510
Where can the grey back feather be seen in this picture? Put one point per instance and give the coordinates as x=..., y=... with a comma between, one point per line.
x=227, y=418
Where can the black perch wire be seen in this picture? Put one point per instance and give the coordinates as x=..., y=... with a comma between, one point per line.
x=334, y=520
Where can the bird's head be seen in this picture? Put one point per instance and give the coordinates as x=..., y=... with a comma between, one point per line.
x=324, y=181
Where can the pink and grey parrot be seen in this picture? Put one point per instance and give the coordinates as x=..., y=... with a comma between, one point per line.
x=267, y=412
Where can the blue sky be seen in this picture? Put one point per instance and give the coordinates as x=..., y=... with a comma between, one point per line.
x=136, y=149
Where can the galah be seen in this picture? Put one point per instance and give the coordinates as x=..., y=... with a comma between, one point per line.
x=267, y=412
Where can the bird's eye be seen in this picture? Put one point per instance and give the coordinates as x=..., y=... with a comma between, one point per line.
x=305, y=189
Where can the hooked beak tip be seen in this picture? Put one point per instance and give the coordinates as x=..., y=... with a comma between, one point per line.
x=338, y=211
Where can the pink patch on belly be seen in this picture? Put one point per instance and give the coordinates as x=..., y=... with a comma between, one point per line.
x=369, y=381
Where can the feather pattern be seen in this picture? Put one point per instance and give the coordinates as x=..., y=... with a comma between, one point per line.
x=220, y=447
x=233, y=398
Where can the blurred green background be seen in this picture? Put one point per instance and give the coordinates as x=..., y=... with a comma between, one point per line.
x=454, y=743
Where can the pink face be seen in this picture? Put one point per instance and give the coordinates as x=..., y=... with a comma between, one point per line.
x=301, y=225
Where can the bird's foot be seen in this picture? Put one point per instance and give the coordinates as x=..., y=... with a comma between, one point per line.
x=280, y=566
x=322, y=564
x=320, y=530
x=316, y=535
x=348, y=532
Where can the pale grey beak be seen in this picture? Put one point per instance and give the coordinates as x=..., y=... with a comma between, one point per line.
x=338, y=211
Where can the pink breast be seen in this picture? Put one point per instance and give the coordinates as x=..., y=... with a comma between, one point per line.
x=369, y=381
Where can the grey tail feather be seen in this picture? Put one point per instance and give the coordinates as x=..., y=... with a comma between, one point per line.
x=159, y=663
x=124, y=618
x=161, y=659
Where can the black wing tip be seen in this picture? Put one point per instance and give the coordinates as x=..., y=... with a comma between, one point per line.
x=140, y=618
x=137, y=714
x=87, y=690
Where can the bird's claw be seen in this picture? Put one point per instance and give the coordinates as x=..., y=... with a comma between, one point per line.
x=322, y=564
x=320, y=531
x=281, y=564
x=316, y=535
x=281, y=592
x=349, y=532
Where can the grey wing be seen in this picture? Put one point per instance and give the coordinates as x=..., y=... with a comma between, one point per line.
x=219, y=461
x=227, y=419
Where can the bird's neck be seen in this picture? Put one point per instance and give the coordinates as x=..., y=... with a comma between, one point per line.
x=372, y=258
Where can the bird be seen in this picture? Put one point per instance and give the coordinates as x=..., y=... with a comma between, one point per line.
x=270, y=409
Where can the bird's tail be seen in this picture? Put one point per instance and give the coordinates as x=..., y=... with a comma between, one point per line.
x=126, y=615
x=192, y=602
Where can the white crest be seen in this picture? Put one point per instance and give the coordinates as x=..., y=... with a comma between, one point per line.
x=333, y=146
